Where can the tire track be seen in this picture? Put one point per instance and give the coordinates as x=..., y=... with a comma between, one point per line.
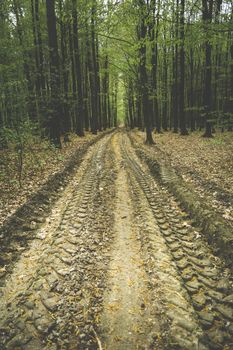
x=56, y=294
x=202, y=274
x=217, y=231
x=19, y=229
x=49, y=300
x=126, y=319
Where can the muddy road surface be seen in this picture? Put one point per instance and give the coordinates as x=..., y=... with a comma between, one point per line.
x=117, y=266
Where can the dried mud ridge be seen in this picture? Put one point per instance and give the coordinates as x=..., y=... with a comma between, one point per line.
x=117, y=263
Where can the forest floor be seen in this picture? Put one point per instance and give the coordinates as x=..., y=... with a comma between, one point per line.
x=116, y=265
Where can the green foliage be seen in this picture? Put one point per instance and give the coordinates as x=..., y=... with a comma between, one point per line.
x=25, y=60
x=21, y=135
x=217, y=141
x=60, y=157
x=20, y=140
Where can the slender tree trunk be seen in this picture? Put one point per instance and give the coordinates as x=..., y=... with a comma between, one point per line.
x=86, y=91
x=73, y=74
x=93, y=91
x=99, y=119
x=115, y=102
x=230, y=126
x=66, y=121
x=143, y=80
x=175, y=70
x=78, y=71
x=207, y=6
x=192, y=116
x=165, y=104
x=40, y=49
x=31, y=101
x=130, y=104
x=183, y=130
x=153, y=33
x=38, y=87
x=54, y=117
x=105, y=92
x=95, y=114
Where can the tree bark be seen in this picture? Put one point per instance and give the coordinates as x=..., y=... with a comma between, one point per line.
x=183, y=130
x=31, y=102
x=66, y=119
x=54, y=116
x=175, y=73
x=143, y=80
x=207, y=10
x=105, y=92
x=79, y=103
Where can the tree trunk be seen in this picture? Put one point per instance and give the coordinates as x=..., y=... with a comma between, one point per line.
x=99, y=119
x=95, y=110
x=78, y=71
x=183, y=130
x=74, y=87
x=86, y=92
x=31, y=102
x=175, y=72
x=207, y=6
x=66, y=121
x=230, y=126
x=105, y=92
x=54, y=117
x=143, y=80
x=164, y=109
x=192, y=116
x=93, y=92
x=153, y=38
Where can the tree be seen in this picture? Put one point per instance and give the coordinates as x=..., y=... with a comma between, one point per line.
x=183, y=129
x=143, y=79
x=153, y=32
x=77, y=73
x=71, y=69
x=54, y=121
x=207, y=11
x=175, y=92
x=65, y=79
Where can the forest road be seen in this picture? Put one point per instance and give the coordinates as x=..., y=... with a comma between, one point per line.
x=117, y=265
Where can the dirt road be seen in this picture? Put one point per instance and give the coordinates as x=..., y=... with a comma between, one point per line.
x=117, y=265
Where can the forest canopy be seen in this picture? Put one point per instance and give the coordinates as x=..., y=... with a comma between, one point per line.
x=70, y=66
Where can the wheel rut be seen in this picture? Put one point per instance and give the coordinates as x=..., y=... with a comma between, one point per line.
x=117, y=266
x=204, y=282
x=126, y=318
x=49, y=301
